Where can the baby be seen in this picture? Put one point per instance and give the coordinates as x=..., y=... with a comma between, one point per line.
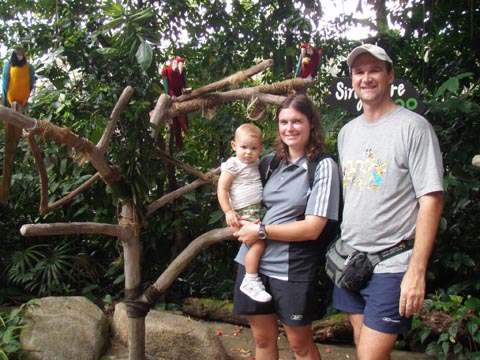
x=239, y=193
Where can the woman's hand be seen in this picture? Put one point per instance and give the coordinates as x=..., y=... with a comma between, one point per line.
x=248, y=233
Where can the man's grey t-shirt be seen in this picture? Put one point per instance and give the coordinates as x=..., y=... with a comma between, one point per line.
x=386, y=166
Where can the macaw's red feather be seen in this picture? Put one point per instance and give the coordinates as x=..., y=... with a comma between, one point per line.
x=311, y=63
x=174, y=80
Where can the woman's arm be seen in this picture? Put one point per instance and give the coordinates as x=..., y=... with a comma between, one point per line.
x=302, y=230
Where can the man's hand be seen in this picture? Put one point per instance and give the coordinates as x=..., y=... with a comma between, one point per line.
x=412, y=293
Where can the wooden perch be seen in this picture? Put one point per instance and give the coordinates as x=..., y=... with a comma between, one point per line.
x=74, y=228
x=42, y=171
x=169, y=158
x=160, y=114
x=64, y=136
x=207, y=97
x=15, y=118
x=214, y=99
x=71, y=195
x=168, y=198
x=164, y=103
x=190, y=252
x=114, y=117
x=232, y=80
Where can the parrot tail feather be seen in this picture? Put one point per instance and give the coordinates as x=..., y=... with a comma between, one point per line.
x=12, y=137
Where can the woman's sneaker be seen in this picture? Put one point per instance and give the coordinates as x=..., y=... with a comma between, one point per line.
x=255, y=290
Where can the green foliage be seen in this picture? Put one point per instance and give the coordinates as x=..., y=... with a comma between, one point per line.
x=10, y=325
x=461, y=339
x=42, y=269
x=455, y=113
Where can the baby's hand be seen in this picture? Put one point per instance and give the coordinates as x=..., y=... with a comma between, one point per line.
x=232, y=219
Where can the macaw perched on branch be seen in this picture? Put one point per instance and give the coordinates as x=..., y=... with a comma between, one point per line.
x=175, y=82
x=308, y=61
x=18, y=78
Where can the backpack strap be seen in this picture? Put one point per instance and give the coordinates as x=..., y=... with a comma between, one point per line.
x=312, y=166
x=267, y=165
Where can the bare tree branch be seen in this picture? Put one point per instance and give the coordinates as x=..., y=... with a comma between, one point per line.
x=168, y=198
x=72, y=195
x=160, y=114
x=15, y=118
x=42, y=171
x=72, y=228
x=169, y=158
x=190, y=252
x=117, y=110
x=232, y=80
x=214, y=99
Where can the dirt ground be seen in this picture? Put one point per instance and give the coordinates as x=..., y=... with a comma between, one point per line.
x=238, y=343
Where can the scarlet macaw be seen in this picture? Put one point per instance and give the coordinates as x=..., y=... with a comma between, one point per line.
x=18, y=78
x=308, y=61
x=175, y=82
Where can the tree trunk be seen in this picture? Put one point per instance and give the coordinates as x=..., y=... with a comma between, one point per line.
x=131, y=249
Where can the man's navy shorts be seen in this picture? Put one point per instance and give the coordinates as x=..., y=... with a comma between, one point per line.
x=292, y=301
x=378, y=302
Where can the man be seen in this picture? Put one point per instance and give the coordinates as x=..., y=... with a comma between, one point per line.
x=392, y=181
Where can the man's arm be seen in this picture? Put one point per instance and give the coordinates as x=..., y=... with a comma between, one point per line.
x=413, y=284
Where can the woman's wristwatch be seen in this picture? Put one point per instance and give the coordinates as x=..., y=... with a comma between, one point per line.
x=262, y=234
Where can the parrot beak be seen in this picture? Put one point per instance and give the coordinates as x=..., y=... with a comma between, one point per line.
x=180, y=67
x=19, y=55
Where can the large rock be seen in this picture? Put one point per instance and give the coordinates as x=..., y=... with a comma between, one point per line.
x=61, y=328
x=172, y=337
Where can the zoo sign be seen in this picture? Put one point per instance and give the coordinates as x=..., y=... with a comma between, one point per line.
x=402, y=92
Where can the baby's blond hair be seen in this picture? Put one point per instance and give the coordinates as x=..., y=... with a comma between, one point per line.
x=249, y=129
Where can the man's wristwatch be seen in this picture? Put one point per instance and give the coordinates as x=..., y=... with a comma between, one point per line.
x=262, y=235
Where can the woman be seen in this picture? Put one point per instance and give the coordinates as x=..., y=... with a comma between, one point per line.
x=295, y=217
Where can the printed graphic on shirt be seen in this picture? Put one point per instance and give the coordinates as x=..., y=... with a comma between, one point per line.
x=365, y=173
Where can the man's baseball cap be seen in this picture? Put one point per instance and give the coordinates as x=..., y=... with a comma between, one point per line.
x=373, y=50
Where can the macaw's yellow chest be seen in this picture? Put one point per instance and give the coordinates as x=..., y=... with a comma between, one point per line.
x=19, y=85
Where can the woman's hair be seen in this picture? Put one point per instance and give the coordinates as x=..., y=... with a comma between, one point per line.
x=316, y=143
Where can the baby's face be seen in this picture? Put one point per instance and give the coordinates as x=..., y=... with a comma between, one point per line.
x=247, y=148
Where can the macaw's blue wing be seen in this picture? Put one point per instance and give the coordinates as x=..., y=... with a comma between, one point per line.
x=5, y=80
x=32, y=76
x=299, y=66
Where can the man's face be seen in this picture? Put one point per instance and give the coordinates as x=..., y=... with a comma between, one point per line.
x=370, y=79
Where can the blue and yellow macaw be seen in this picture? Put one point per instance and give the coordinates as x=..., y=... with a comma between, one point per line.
x=18, y=78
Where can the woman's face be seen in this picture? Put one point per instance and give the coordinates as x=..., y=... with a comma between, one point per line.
x=294, y=129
